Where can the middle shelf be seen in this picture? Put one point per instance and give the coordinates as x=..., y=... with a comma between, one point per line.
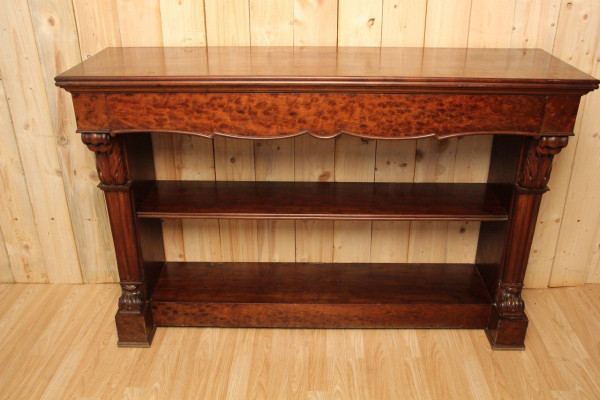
x=322, y=201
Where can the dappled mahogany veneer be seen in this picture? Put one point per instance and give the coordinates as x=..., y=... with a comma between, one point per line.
x=527, y=99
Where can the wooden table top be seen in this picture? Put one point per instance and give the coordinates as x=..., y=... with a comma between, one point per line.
x=323, y=67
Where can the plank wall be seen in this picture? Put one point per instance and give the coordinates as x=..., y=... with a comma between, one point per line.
x=53, y=221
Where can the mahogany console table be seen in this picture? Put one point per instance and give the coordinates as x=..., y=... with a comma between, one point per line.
x=527, y=99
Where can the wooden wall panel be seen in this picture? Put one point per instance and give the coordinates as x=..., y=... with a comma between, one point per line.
x=435, y=161
x=359, y=22
x=182, y=22
x=186, y=158
x=25, y=91
x=315, y=24
x=97, y=25
x=314, y=162
x=575, y=42
x=45, y=36
x=403, y=23
x=58, y=50
x=581, y=215
x=490, y=26
x=23, y=245
x=272, y=24
x=227, y=23
x=447, y=23
x=6, y=275
x=535, y=24
x=593, y=275
x=354, y=162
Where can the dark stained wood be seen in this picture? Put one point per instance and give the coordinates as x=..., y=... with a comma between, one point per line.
x=322, y=200
x=278, y=115
x=527, y=98
x=138, y=243
x=321, y=295
x=292, y=69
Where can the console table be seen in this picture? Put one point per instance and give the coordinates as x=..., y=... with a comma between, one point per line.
x=527, y=99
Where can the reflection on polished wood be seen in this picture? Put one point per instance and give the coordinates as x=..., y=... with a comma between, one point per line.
x=369, y=68
x=323, y=201
x=57, y=342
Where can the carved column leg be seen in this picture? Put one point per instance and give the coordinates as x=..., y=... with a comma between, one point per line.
x=134, y=316
x=508, y=322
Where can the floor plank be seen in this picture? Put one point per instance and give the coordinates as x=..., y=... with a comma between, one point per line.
x=59, y=342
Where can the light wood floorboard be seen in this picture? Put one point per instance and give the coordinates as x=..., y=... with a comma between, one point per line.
x=59, y=342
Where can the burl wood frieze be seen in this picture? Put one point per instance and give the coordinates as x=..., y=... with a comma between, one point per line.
x=271, y=115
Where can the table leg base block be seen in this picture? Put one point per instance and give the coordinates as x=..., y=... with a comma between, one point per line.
x=506, y=334
x=135, y=329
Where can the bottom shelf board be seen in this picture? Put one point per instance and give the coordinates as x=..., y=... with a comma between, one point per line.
x=308, y=295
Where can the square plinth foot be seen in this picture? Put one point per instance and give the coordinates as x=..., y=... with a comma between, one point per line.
x=135, y=329
x=505, y=333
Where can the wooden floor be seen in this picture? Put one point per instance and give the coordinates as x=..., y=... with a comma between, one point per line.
x=59, y=342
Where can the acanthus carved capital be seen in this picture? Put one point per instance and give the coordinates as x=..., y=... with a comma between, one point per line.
x=508, y=300
x=131, y=297
x=535, y=171
x=111, y=162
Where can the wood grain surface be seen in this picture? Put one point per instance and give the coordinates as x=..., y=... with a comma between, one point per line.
x=68, y=351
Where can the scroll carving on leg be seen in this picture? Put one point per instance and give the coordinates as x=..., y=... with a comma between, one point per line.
x=134, y=316
x=508, y=322
x=111, y=162
x=131, y=299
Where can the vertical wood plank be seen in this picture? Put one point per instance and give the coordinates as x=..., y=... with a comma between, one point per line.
x=274, y=161
x=139, y=23
x=354, y=162
x=182, y=22
x=593, y=275
x=6, y=275
x=16, y=214
x=314, y=162
x=491, y=23
x=471, y=166
x=24, y=85
x=535, y=24
x=576, y=38
x=271, y=23
x=97, y=25
x=582, y=212
x=194, y=160
x=394, y=162
x=403, y=23
x=315, y=22
x=58, y=48
x=447, y=23
x=359, y=23
x=434, y=163
x=227, y=23
x=234, y=161
x=490, y=26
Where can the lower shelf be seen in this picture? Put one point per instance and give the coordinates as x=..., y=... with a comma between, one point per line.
x=298, y=295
